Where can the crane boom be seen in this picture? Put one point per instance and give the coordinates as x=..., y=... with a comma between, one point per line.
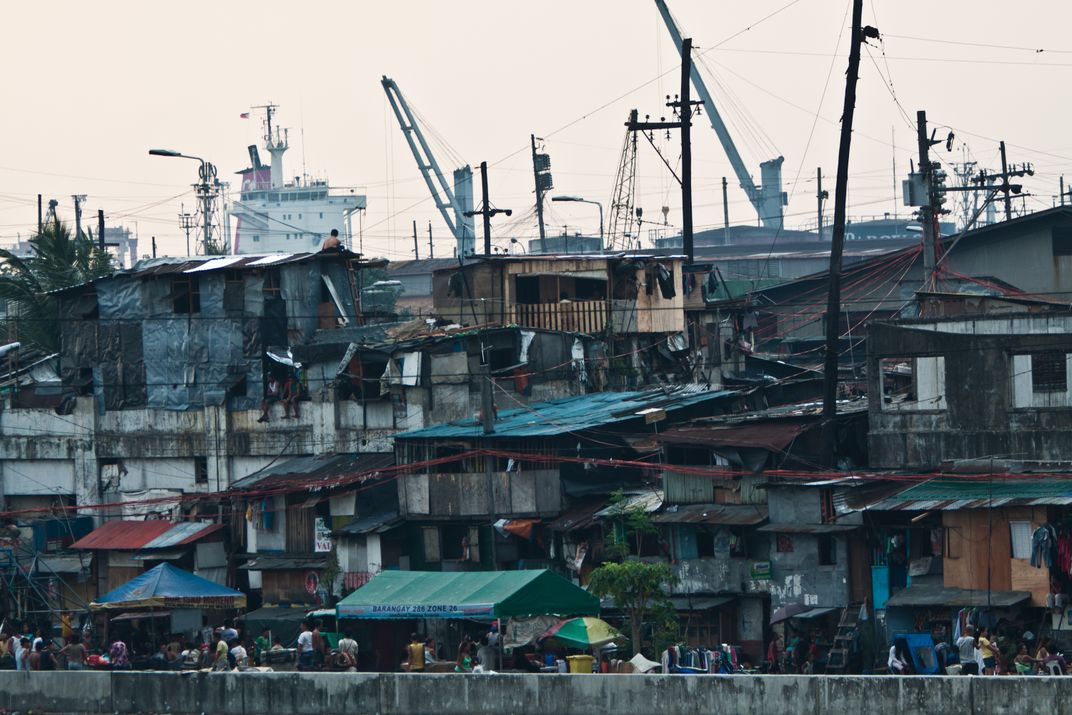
x=451, y=206
x=768, y=198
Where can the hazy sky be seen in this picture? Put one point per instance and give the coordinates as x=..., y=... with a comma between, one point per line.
x=90, y=87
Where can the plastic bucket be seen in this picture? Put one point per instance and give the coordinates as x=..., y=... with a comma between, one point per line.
x=580, y=664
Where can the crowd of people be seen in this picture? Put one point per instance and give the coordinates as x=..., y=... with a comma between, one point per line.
x=986, y=653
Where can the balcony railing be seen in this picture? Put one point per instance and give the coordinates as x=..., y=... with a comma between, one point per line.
x=582, y=316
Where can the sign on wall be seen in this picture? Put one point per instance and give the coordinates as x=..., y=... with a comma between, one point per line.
x=322, y=536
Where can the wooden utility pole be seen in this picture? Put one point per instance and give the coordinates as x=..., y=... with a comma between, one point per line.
x=1005, y=182
x=100, y=228
x=486, y=211
x=685, y=110
x=40, y=217
x=820, y=197
x=725, y=214
x=683, y=103
x=154, y=246
x=926, y=210
x=841, y=187
x=539, y=188
x=431, y=248
x=416, y=251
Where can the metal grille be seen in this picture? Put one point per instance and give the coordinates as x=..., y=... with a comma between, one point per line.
x=1048, y=372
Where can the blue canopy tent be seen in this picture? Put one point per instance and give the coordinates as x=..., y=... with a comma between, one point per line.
x=165, y=586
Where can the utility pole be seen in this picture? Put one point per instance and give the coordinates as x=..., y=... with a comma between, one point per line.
x=685, y=112
x=725, y=214
x=486, y=211
x=154, y=246
x=78, y=199
x=841, y=186
x=100, y=228
x=186, y=223
x=541, y=174
x=431, y=248
x=416, y=253
x=820, y=196
x=1005, y=181
x=1062, y=191
x=927, y=214
x=683, y=104
x=40, y=217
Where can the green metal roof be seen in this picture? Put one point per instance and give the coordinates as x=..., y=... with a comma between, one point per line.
x=468, y=594
x=979, y=492
x=571, y=414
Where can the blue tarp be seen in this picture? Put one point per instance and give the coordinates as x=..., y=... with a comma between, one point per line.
x=168, y=587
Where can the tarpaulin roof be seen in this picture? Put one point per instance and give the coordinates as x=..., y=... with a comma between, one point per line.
x=165, y=586
x=955, y=494
x=134, y=535
x=321, y=468
x=471, y=594
x=570, y=414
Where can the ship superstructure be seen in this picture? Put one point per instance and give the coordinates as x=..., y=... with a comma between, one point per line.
x=273, y=214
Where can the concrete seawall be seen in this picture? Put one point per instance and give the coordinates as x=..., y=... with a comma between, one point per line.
x=85, y=693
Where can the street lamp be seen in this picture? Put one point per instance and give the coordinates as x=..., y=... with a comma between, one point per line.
x=519, y=244
x=205, y=192
x=580, y=200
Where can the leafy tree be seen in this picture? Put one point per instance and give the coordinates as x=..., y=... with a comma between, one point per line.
x=59, y=260
x=628, y=524
x=636, y=587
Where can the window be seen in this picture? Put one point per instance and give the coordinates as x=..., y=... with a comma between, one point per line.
x=784, y=544
x=1062, y=240
x=200, y=470
x=186, y=295
x=256, y=238
x=271, y=284
x=1020, y=534
x=321, y=214
x=1049, y=372
x=234, y=294
x=826, y=506
x=827, y=550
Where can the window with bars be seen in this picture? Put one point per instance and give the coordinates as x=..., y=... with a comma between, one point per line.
x=1048, y=372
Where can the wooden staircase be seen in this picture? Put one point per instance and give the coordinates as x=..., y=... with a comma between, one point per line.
x=837, y=660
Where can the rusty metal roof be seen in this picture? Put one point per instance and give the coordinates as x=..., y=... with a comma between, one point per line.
x=722, y=514
x=135, y=535
x=321, y=468
x=579, y=516
x=774, y=436
x=808, y=528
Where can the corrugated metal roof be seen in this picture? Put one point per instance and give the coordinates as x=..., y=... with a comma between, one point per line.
x=284, y=562
x=928, y=595
x=649, y=502
x=956, y=494
x=571, y=414
x=323, y=467
x=135, y=535
x=579, y=516
x=724, y=514
x=808, y=528
x=372, y=524
x=774, y=436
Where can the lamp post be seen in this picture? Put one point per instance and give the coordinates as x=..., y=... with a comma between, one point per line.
x=205, y=190
x=581, y=200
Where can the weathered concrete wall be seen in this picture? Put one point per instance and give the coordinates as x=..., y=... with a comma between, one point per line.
x=85, y=693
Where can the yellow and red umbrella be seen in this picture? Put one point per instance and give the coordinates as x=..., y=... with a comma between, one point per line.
x=584, y=632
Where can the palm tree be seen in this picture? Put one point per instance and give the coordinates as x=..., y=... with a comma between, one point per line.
x=59, y=260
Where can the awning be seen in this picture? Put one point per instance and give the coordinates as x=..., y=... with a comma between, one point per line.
x=372, y=524
x=579, y=516
x=139, y=615
x=809, y=528
x=325, y=468
x=282, y=562
x=161, y=555
x=648, y=502
x=699, y=603
x=773, y=436
x=722, y=514
x=956, y=597
x=73, y=563
x=473, y=594
x=126, y=535
x=815, y=613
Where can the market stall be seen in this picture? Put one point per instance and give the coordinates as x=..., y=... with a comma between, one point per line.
x=472, y=595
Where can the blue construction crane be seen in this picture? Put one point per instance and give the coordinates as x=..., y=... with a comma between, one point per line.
x=453, y=204
x=768, y=198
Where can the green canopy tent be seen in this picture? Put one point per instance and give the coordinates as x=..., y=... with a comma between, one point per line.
x=469, y=594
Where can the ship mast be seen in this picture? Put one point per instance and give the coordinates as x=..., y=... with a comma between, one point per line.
x=275, y=142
